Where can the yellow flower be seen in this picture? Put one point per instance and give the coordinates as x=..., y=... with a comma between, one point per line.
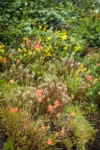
x=95, y=80
x=19, y=50
x=66, y=48
x=44, y=28
x=76, y=48
x=57, y=32
x=24, y=38
x=78, y=78
x=64, y=37
x=1, y=46
x=1, y=58
x=24, y=50
x=47, y=50
x=49, y=54
x=49, y=46
x=29, y=52
x=49, y=38
x=65, y=32
x=24, y=55
x=2, y=50
x=40, y=26
x=40, y=38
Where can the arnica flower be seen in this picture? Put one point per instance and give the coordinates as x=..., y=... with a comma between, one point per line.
x=40, y=26
x=72, y=114
x=1, y=58
x=13, y=110
x=50, y=142
x=56, y=104
x=64, y=37
x=50, y=108
x=1, y=46
x=25, y=55
x=66, y=48
x=30, y=52
x=24, y=50
x=2, y=50
x=76, y=48
x=44, y=28
x=89, y=78
x=19, y=50
x=38, y=93
x=49, y=38
x=49, y=54
x=5, y=60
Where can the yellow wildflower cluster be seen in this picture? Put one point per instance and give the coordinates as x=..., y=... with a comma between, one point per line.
x=24, y=38
x=24, y=51
x=1, y=58
x=41, y=27
x=49, y=38
x=48, y=50
x=61, y=34
x=1, y=51
x=19, y=50
x=76, y=48
x=64, y=37
x=35, y=23
x=57, y=32
x=82, y=69
x=39, y=38
x=66, y=48
x=1, y=48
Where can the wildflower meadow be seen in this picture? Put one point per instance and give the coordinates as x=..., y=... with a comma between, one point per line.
x=49, y=75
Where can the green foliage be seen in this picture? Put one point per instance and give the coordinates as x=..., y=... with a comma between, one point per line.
x=22, y=131
x=93, y=93
x=9, y=145
x=17, y=19
x=78, y=126
x=92, y=62
x=49, y=68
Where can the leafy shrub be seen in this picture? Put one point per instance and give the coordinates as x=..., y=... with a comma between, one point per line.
x=69, y=128
x=93, y=93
